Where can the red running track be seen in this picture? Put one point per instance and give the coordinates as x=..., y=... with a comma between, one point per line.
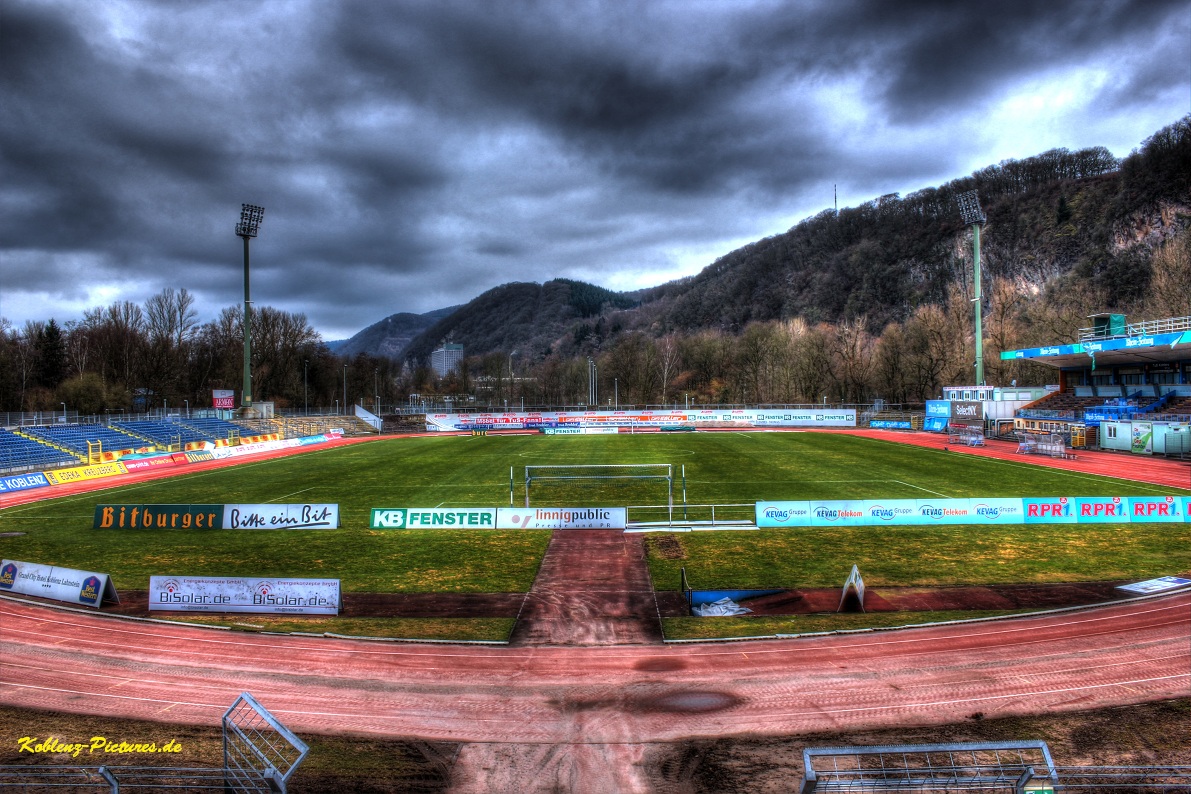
x=1122, y=465
x=598, y=702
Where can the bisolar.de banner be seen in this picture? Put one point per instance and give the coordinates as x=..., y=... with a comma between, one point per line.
x=239, y=594
x=60, y=584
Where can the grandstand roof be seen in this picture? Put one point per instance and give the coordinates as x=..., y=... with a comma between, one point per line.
x=1162, y=348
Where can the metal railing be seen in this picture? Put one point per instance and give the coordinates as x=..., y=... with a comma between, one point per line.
x=702, y=516
x=1145, y=328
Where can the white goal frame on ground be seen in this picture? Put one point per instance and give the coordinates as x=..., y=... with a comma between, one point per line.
x=604, y=471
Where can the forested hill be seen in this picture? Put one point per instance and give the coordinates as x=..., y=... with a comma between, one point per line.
x=391, y=336
x=525, y=317
x=1074, y=221
x=1060, y=214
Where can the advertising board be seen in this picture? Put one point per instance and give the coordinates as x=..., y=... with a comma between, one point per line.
x=140, y=464
x=561, y=518
x=939, y=408
x=1144, y=509
x=1159, y=585
x=1101, y=509
x=266, y=516
x=23, y=482
x=1050, y=510
x=995, y=511
x=80, y=473
x=783, y=514
x=223, y=398
x=918, y=512
x=60, y=584
x=965, y=412
x=433, y=518
x=817, y=417
x=1142, y=438
x=297, y=516
x=237, y=594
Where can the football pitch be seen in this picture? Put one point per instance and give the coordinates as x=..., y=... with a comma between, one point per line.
x=710, y=468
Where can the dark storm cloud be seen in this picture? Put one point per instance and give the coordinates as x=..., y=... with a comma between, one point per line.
x=412, y=155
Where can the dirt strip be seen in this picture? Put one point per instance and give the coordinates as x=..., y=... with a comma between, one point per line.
x=593, y=589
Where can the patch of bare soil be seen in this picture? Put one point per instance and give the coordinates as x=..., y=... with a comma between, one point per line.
x=1146, y=734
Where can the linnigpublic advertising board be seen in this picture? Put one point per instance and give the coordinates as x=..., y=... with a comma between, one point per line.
x=238, y=594
x=561, y=518
x=266, y=516
x=917, y=512
x=60, y=584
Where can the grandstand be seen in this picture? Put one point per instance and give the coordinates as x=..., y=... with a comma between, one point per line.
x=1117, y=376
x=80, y=439
x=164, y=434
x=20, y=453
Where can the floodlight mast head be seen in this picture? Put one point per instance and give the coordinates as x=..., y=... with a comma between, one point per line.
x=250, y=220
x=969, y=208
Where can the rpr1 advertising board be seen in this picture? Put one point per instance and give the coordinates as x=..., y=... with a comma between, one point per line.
x=239, y=594
x=1034, y=510
x=60, y=584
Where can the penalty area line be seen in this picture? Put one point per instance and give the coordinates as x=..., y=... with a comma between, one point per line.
x=919, y=487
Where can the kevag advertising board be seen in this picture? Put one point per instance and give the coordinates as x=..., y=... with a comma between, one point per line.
x=919, y=512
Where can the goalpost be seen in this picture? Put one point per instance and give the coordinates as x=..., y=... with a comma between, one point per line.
x=578, y=474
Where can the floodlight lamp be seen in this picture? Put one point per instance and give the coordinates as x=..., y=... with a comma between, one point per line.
x=969, y=208
x=250, y=220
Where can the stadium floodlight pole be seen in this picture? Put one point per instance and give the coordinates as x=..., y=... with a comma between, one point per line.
x=305, y=387
x=250, y=223
x=969, y=210
x=345, y=388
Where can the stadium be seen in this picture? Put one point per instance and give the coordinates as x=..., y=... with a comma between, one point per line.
x=515, y=602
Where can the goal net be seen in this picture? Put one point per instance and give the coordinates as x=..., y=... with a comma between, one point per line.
x=601, y=485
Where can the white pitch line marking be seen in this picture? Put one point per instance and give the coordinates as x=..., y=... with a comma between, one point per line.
x=919, y=487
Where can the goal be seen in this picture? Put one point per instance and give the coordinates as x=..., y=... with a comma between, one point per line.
x=618, y=484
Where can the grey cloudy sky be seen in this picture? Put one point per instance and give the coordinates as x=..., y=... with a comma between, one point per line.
x=411, y=155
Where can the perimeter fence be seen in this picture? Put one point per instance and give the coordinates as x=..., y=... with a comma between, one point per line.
x=1008, y=767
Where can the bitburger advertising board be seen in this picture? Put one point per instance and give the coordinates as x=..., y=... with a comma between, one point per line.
x=266, y=516
x=237, y=594
x=60, y=584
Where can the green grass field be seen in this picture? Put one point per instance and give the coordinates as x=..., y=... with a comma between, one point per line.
x=720, y=468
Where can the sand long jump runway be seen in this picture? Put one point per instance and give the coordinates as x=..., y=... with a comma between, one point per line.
x=555, y=715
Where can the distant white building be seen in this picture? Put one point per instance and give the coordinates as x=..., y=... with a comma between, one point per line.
x=446, y=359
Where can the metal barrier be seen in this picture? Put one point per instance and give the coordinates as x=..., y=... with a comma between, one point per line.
x=1016, y=767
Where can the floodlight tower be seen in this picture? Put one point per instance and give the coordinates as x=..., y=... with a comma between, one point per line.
x=969, y=210
x=250, y=222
